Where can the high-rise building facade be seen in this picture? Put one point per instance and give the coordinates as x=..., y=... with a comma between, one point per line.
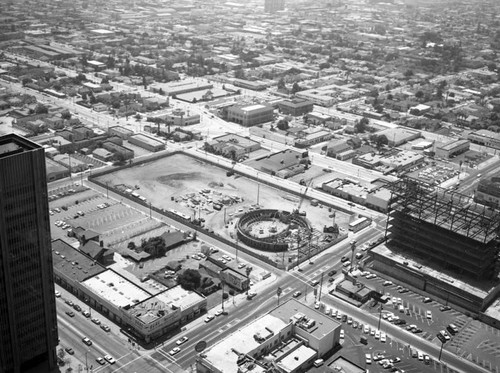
x=271, y=6
x=28, y=322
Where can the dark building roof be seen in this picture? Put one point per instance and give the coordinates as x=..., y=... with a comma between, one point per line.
x=71, y=262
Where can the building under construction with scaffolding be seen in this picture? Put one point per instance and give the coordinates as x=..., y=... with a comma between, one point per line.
x=443, y=228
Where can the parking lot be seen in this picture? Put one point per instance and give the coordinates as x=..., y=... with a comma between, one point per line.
x=474, y=341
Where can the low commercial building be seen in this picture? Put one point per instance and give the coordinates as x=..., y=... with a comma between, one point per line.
x=486, y=138
x=233, y=145
x=399, y=135
x=254, y=85
x=399, y=161
x=250, y=115
x=176, y=88
x=146, y=313
x=102, y=154
x=120, y=131
x=312, y=136
x=284, y=164
x=55, y=170
x=146, y=142
x=295, y=107
x=123, y=151
x=290, y=337
x=452, y=148
x=488, y=192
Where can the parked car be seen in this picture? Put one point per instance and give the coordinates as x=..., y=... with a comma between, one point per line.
x=69, y=350
x=109, y=359
x=100, y=360
x=174, y=351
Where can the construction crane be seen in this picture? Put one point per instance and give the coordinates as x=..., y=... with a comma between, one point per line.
x=297, y=210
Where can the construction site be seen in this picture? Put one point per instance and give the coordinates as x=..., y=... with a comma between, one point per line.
x=441, y=242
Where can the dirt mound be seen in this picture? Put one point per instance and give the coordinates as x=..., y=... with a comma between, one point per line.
x=176, y=180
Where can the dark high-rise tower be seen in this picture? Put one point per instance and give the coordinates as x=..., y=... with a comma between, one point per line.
x=28, y=322
x=271, y=6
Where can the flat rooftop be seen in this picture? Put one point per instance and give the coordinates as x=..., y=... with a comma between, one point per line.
x=170, y=301
x=290, y=308
x=147, y=139
x=478, y=288
x=73, y=263
x=116, y=289
x=224, y=354
x=253, y=107
x=12, y=144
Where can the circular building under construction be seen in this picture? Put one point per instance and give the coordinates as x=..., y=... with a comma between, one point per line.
x=273, y=230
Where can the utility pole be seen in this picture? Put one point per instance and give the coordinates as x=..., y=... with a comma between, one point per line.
x=222, y=282
x=441, y=350
x=320, y=287
x=380, y=316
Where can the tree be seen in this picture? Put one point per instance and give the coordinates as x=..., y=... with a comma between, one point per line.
x=296, y=88
x=190, y=279
x=131, y=245
x=419, y=94
x=66, y=115
x=281, y=83
x=41, y=109
x=283, y=124
x=155, y=246
x=381, y=141
x=362, y=125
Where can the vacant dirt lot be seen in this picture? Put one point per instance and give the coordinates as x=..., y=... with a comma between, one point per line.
x=175, y=182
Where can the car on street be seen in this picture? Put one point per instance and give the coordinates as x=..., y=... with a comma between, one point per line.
x=96, y=321
x=344, y=259
x=100, y=360
x=297, y=294
x=332, y=272
x=105, y=328
x=331, y=279
x=77, y=307
x=87, y=341
x=174, y=351
x=181, y=340
x=218, y=312
x=69, y=350
x=209, y=318
x=86, y=313
x=314, y=282
x=109, y=359
x=70, y=313
x=69, y=303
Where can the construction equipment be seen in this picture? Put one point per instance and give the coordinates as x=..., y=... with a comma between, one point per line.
x=297, y=210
